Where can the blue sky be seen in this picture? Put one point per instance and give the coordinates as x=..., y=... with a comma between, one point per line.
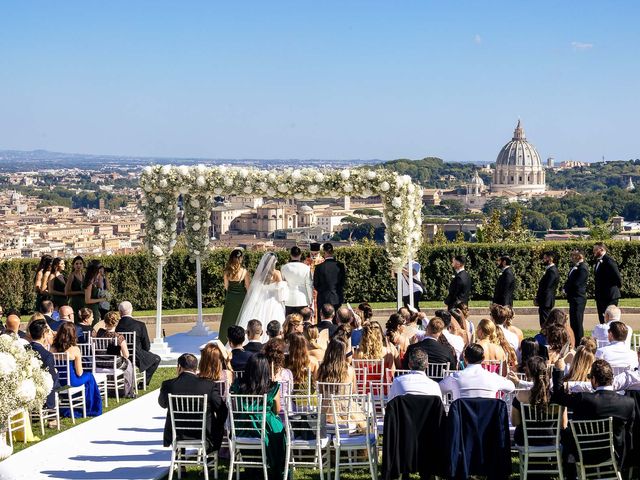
x=331, y=79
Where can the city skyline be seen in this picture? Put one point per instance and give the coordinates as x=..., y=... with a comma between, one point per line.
x=331, y=81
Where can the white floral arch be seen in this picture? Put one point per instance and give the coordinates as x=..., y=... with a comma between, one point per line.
x=162, y=185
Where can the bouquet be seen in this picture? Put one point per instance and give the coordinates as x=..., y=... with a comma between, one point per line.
x=24, y=382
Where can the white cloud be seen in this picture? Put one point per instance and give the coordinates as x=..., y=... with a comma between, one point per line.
x=581, y=45
x=477, y=39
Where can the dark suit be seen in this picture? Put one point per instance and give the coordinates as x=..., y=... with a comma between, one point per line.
x=190, y=384
x=437, y=353
x=459, y=289
x=55, y=324
x=328, y=279
x=47, y=360
x=327, y=325
x=239, y=359
x=598, y=405
x=576, y=290
x=145, y=360
x=49, y=319
x=253, y=347
x=546, y=295
x=607, y=284
x=505, y=286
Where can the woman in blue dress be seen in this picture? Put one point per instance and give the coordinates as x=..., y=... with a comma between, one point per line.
x=67, y=342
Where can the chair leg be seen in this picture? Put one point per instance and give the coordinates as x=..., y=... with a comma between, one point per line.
x=320, y=462
x=373, y=461
x=41, y=423
x=204, y=464
x=115, y=387
x=71, y=404
x=232, y=456
x=172, y=466
x=84, y=405
x=336, y=472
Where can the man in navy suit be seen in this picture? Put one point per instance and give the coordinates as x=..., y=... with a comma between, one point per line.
x=239, y=356
x=42, y=336
x=329, y=279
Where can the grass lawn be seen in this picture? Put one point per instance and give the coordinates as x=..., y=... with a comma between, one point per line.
x=624, y=302
x=161, y=375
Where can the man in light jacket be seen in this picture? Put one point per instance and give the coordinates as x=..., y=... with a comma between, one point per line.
x=299, y=284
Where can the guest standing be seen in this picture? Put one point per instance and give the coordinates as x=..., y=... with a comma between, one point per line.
x=546, y=296
x=57, y=283
x=236, y=283
x=299, y=283
x=607, y=280
x=329, y=279
x=91, y=287
x=41, y=279
x=576, y=290
x=73, y=288
x=66, y=342
x=506, y=283
x=460, y=286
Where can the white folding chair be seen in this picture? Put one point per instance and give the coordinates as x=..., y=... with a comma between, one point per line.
x=44, y=413
x=374, y=372
x=635, y=341
x=89, y=363
x=307, y=438
x=107, y=364
x=349, y=413
x=437, y=371
x=130, y=338
x=361, y=379
x=398, y=371
x=619, y=370
x=17, y=421
x=379, y=397
x=493, y=366
x=541, y=428
x=188, y=414
x=247, y=417
x=602, y=343
x=69, y=397
x=594, y=440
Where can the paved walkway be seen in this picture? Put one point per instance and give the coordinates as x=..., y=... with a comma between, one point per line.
x=125, y=443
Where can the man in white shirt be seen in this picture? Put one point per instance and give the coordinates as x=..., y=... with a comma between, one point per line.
x=416, y=382
x=600, y=332
x=617, y=353
x=474, y=381
x=299, y=283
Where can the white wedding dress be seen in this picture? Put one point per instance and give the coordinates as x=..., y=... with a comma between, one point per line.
x=264, y=301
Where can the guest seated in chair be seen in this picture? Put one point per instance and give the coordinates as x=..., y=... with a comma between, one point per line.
x=188, y=383
x=41, y=338
x=416, y=382
x=239, y=356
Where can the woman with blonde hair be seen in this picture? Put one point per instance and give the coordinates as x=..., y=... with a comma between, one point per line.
x=313, y=346
x=236, y=281
x=580, y=365
x=487, y=337
x=299, y=362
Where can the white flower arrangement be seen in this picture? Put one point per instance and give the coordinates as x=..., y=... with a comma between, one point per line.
x=24, y=383
x=402, y=200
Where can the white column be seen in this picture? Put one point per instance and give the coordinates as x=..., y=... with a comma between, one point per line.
x=159, y=346
x=199, y=329
x=399, y=276
x=411, y=281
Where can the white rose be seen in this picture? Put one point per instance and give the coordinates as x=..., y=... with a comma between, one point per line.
x=271, y=177
x=47, y=380
x=157, y=251
x=298, y=196
x=348, y=187
x=159, y=199
x=271, y=192
x=195, y=203
x=163, y=183
x=36, y=363
x=7, y=364
x=200, y=181
x=396, y=227
x=313, y=189
x=345, y=174
x=159, y=224
x=196, y=252
x=166, y=169
x=247, y=189
x=319, y=178
x=184, y=170
x=201, y=169
x=384, y=186
x=196, y=226
x=282, y=188
x=217, y=190
x=222, y=170
x=196, y=217
x=406, y=179
x=147, y=188
x=207, y=223
x=411, y=224
x=367, y=193
x=228, y=181
x=244, y=172
x=296, y=175
x=27, y=390
x=147, y=170
x=371, y=174
x=396, y=202
x=183, y=190
x=263, y=186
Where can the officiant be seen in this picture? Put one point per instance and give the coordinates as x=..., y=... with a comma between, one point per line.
x=299, y=283
x=418, y=288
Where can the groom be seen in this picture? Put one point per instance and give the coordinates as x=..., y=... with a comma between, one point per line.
x=299, y=283
x=329, y=279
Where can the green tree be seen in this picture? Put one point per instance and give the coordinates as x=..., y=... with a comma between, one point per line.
x=439, y=238
x=559, y=221
x=491, y=230
x=460, y=238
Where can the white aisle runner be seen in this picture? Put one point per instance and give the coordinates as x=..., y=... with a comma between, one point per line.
x=125, y=443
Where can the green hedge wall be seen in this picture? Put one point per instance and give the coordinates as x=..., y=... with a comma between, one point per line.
x=368, y=273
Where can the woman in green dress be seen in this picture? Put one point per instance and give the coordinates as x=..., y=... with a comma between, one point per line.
x=258, y=380
x=90, y=285
x=73, y=289
x=236, y=282
x=57, y=283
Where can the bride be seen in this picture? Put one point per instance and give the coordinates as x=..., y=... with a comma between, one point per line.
x=266, y=295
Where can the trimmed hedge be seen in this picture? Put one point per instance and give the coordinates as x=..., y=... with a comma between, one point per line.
x=368, y=273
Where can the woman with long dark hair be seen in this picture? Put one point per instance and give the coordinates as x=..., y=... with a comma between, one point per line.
x=41, y=279
x=73, y=288
x=257, y=380
x=236, y=281
x=66, y=341
x=57, y=283
x=91, y=287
